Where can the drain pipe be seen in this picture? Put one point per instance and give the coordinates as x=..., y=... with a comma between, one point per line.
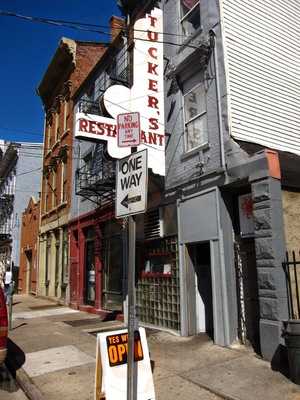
x=221, y=137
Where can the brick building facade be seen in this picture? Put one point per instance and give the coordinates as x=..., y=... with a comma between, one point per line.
x=28, y=271
x=71, y=63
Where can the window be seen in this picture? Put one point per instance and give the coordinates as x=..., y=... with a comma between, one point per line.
x=195, y=118
x=190, y=16
x=64, y=261
x=119, y=68
x=47, y=260
x=53, y=188
x=48, y=137
x=63, y=182
x=66, y=115
x=46, y=205
x=57, y=133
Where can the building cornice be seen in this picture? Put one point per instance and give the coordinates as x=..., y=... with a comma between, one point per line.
x=61, y=65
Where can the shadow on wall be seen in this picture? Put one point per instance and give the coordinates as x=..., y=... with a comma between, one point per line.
x=280, y=362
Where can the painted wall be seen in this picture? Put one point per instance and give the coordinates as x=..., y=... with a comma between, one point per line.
x=28, y=183
x=185, y=62
x=291, y=216
x=27, y=281
x=263, y=54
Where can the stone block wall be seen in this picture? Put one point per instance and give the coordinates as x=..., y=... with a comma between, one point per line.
x=270, y=252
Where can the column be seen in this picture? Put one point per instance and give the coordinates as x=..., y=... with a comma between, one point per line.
x=270, y=252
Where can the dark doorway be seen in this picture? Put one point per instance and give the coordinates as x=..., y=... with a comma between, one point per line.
x=31, y=272
x=113, y=273
x=201, y=260
x=90, y=267
x=247, y=293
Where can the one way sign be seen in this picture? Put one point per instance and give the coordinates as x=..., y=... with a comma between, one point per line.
x=132, y=182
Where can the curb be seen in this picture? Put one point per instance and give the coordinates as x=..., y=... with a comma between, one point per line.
x=25, y=382
x=27, y=385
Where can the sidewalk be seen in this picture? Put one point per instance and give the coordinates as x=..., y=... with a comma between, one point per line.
x=9, y=389
x=53, y=349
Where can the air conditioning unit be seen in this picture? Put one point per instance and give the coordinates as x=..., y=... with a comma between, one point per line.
x=153, y=224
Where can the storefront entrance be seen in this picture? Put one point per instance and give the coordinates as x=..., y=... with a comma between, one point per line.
x=113, y=267
x=247, y=293
x=90, y=267
x=200, y=258
x=31, y=272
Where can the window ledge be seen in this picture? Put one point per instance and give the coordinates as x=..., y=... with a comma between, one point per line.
x=55, y=145
x=189, y=39
x=194, y=152
x=66, y=132
x=48, y=153
x=55, y=209
x=62, y=205
x=155, y=275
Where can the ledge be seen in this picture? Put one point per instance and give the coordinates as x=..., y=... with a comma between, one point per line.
x=194, y=152
x=56, y=144
x=65, y=134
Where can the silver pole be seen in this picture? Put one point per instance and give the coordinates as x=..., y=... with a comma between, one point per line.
x=132, y=321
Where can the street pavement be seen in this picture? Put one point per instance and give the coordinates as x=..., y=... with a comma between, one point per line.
x=52, y=353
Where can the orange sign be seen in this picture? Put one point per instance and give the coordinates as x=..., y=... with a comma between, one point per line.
x=117, y=348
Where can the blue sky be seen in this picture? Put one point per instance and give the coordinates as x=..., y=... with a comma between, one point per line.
x=26, y=49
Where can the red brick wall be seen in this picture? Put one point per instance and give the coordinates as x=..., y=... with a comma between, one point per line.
x=29, y=247
x=87, y=55
x=115, y=24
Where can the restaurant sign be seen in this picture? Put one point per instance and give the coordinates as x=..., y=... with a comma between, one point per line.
x=145, y=96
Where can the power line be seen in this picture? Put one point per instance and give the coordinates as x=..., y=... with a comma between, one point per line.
x=84, y=27
x=70, y=25
x=30, y=171
x=84, y=24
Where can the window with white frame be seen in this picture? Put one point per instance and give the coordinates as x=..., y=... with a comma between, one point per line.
x=46, y=203
x=195, y=118
x=64, y=262
x=190, y=16
x=53, y=189
x=66, y=115
x=63, y=181
x=57, y=131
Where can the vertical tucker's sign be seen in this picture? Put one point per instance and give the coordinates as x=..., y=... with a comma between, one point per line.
x=146, y=96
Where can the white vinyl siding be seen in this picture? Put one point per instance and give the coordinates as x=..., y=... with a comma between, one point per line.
x=262, y=47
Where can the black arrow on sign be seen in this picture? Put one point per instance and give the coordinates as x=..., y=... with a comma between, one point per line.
x=130, y=200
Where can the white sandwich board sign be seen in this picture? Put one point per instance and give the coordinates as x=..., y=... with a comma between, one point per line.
x=131, y=186
x=111, y=366
x=129, y=129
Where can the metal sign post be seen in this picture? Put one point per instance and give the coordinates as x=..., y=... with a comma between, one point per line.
x=132, y=320
x=131, y=198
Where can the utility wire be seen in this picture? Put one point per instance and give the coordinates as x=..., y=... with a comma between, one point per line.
x=77, y=23
x=30, y=171
x=84, y=27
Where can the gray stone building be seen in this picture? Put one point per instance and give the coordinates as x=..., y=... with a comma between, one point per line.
x=20, y=172
x=232, y=155
x=212, y=243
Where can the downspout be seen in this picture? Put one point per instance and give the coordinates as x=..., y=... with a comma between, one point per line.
x=218, y=96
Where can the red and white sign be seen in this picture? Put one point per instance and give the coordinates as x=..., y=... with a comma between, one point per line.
x=146, y=95
x=129, y=129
